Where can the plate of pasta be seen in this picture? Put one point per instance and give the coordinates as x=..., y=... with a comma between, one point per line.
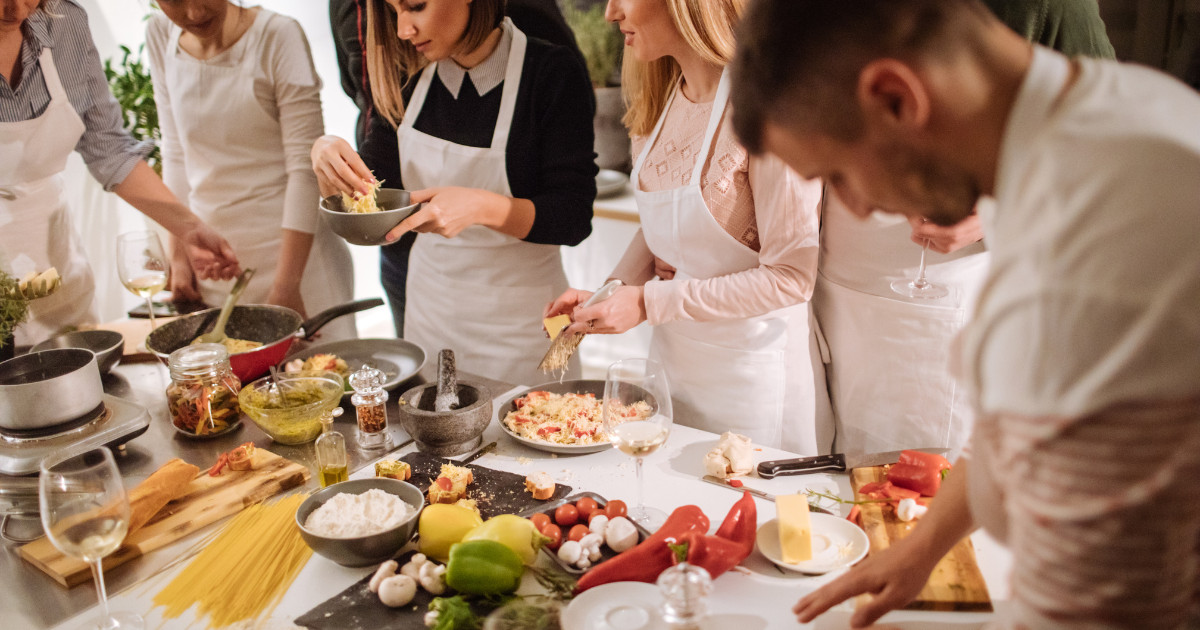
x=563, y=417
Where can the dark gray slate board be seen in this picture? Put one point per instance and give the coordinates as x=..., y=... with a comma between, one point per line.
x=496, y=491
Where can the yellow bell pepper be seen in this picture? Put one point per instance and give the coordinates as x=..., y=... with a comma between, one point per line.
x=512, y=531
x=441, y=525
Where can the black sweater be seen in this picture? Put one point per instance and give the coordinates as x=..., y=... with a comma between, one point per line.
x=550, y=158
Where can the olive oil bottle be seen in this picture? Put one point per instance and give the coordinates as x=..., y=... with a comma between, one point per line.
x=331, y=451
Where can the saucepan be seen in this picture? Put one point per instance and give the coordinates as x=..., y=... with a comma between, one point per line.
x=42, y=389
x=275, y=327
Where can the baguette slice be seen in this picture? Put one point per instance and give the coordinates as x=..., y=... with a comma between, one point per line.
x=167, y=483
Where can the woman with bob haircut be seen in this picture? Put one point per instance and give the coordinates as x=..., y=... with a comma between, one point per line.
x=731, y=237
x=495, y=138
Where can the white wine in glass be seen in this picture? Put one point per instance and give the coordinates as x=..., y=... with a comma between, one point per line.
x=143, y=265
x=85, y=513
x=634, y=384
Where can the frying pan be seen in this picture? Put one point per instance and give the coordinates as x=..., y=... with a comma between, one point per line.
x=275, y=327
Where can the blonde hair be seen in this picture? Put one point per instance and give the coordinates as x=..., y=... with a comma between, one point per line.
x=393, y=62
x=708, y=28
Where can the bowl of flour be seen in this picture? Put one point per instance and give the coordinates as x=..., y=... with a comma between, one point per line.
x=360, y=522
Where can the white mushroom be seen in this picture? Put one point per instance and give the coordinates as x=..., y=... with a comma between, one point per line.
x=432, y=577
x=413, y=568
x=620, y=534
x=570, y=552
x=591, y=546
x=397, y=591
x=909, y=509
x=431, y=618
x=584, y=563
x=385, y=571
x=598, y=524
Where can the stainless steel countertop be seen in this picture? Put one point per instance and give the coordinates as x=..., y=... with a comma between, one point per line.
x=31, y=599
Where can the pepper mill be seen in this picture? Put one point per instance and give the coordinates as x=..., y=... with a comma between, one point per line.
x=685, y=587
x=368, y=399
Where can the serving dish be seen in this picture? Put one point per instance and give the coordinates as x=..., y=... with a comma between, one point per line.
x=107, y=344
x=616, y=606
x=849, y=544
x=399, y=360
x=606, y=553
x=369, y=228
x=581, y=386
x=363, y=550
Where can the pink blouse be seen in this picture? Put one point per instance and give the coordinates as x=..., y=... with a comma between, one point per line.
x=756, y=199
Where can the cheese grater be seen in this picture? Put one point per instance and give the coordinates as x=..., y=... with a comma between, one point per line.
x=564, y=346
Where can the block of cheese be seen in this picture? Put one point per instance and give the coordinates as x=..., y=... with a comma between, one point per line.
x=554, y=325
x=795, y=530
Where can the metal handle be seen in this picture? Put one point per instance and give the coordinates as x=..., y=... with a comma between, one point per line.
x=603, y=293
x=312, y=325
x=802, y=465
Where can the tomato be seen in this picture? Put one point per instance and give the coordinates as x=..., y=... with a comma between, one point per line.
x=566, y=515
x=616, y=508
x=736, y=483
x=586, y=506
x=578, y=532
x=444, y=483
x=554, y=533
x=540, y=520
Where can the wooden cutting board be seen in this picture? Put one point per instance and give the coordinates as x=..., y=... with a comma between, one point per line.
x=955, y=584
x=134, y=330
x=207, y=500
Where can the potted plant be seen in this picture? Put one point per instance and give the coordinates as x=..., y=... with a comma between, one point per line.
x=15, y=296
x=129, y=80
x=602, y=44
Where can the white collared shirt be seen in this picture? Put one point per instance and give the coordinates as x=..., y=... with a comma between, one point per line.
x=485, y=76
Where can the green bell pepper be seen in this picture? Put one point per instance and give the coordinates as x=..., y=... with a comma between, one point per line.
x=483, y=567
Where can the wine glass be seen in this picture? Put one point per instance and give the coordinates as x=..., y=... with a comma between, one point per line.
x=919, y=287
x=637, y=417
x=143, y=265
x=85, y=513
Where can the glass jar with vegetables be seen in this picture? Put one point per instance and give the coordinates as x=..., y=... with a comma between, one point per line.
x=203, y=395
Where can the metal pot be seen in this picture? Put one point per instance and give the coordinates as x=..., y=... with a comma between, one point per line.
x=275, y=327
x=42, y=389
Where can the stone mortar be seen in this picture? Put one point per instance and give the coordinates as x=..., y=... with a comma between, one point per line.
x=446, y=433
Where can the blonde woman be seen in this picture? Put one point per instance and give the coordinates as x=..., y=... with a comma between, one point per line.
x=495, y=136
x=732, y=238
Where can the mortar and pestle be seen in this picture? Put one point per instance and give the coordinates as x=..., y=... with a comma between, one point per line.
x=446, y=418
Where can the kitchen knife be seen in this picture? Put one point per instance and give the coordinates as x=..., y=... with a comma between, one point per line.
x=724, y=483
x=836, y=462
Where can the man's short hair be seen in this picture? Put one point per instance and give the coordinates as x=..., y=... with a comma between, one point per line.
x=798, y=61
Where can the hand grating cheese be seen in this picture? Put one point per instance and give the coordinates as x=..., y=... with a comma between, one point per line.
x=554, y=325
x=795, y=530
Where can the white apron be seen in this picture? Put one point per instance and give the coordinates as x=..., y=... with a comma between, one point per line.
x=233, y=154
x=480, y=293
x=889, y=371
x=35, y=226
x=754, y=376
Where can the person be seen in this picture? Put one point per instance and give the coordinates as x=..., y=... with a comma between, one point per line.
x=889, y=354
x=239, y=105
x=734, y=237
x=494, y=136
x=1081, y=355
x=54, y=98
x=375, y=137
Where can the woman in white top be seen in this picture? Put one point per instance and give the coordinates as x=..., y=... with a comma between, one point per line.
x=733, y=237
x=239, y=105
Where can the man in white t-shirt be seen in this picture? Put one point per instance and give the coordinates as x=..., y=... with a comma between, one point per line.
x=1084, y=352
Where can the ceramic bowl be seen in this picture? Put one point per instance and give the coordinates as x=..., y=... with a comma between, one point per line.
x=363, y=550
x=368, y=228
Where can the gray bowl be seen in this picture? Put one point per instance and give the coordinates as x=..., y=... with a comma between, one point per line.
x=364, y=550
x=107, y=344
x=446, y=433
x=370, y=228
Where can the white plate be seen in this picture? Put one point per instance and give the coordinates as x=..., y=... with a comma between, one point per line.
x=848, y=541
x=399, y=360
x=616, y=606
x=594, y=387
x=609, y=183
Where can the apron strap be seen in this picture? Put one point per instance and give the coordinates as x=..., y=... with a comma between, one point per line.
x=50, y=75
x=414, y=105
x=512, y=84
x=714, y=119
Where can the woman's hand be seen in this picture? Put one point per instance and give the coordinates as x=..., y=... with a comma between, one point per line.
x=339, y=168
x=448, y=211
x=624, y=310
x=210, y=256
x=946, y=239
x=183, y=281
x=662, y=269
x=287, y=296
x=566, y=303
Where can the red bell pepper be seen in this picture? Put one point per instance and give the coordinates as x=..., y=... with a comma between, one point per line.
x=733, y=542
x=919, y=479
x=650, y=557
x=925, y=460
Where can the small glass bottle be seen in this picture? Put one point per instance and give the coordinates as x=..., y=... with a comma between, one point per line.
x=203, y=395
x=685, y=587
x=332, y=466
x=369, y=401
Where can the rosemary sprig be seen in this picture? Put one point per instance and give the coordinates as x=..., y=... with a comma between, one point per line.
x=837, y=499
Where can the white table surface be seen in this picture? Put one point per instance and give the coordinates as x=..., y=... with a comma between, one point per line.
x=758, y=599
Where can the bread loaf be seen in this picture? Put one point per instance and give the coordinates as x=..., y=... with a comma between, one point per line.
x=167, y=483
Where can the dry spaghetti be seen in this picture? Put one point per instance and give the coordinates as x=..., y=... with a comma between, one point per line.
x=245, y=570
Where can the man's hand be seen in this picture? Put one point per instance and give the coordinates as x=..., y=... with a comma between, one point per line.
x=287, y=297
x=211, y=257
x=945, y=240
x=183, y=280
